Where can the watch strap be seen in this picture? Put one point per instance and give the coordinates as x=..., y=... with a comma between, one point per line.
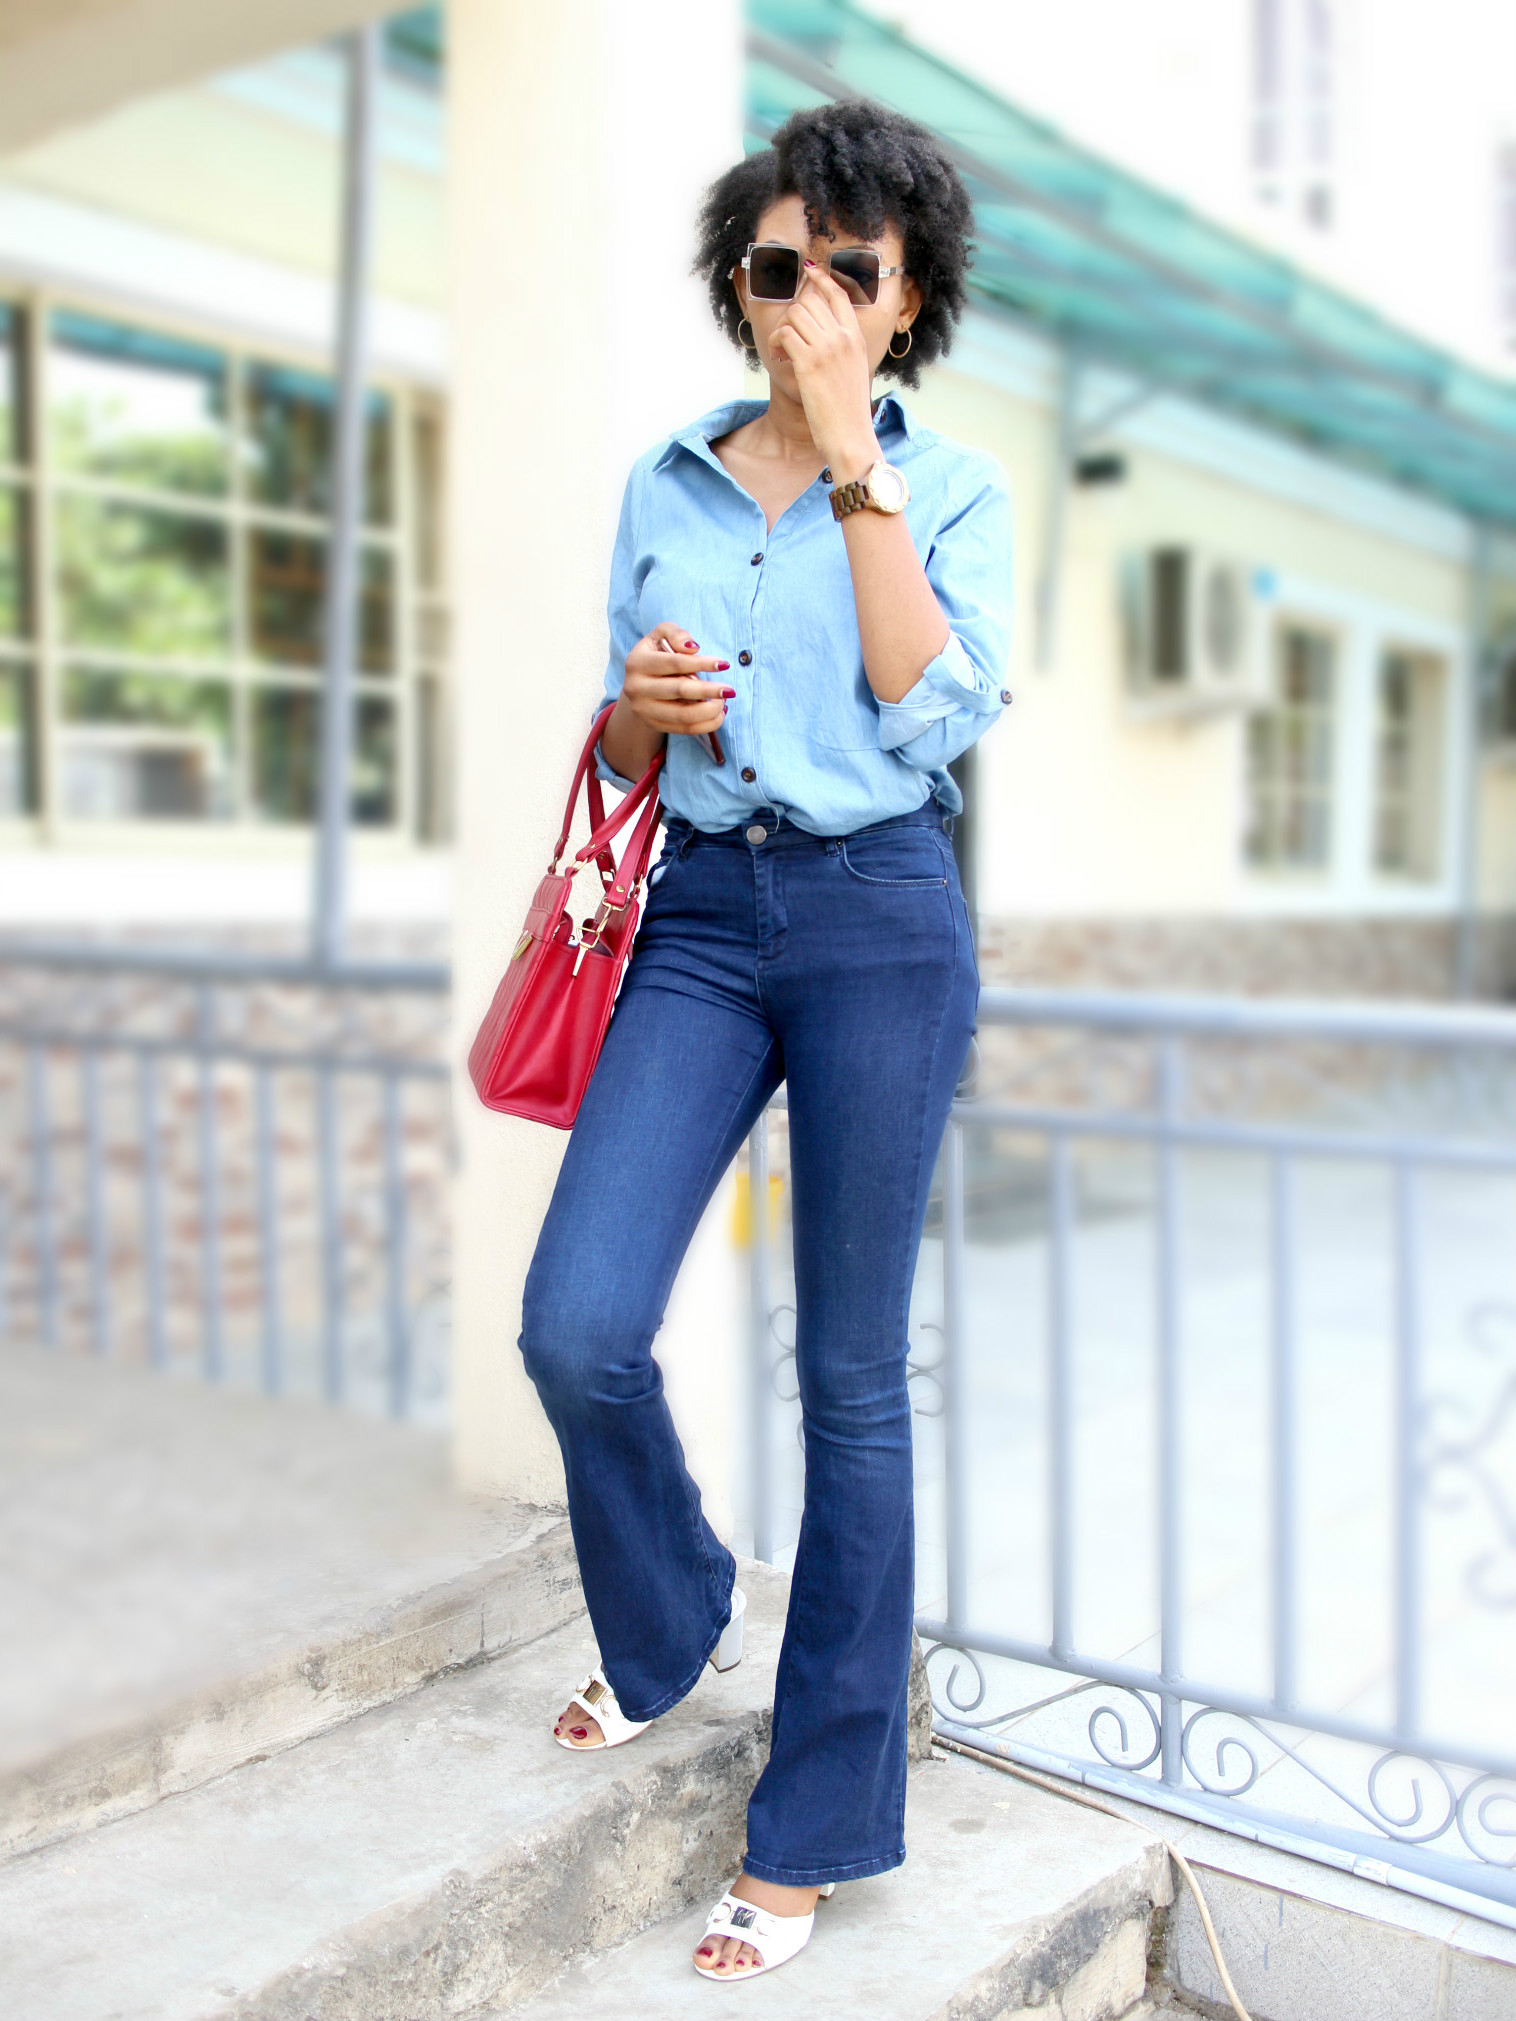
x=849, y=498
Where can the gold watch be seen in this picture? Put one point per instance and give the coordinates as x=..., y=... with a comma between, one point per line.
x=882, y=488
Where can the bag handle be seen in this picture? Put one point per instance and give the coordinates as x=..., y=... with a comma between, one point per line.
x=602, y=830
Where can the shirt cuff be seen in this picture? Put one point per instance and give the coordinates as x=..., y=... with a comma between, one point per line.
x=949, y=683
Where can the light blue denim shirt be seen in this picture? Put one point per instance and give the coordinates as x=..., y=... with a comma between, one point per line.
x=806, y=735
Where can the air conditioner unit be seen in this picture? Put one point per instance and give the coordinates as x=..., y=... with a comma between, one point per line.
x=1195, y=634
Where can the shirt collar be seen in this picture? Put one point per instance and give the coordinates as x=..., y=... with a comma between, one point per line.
x=890, y=414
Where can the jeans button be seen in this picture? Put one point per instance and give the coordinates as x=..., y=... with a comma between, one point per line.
x=755, y=835
x=744, y=658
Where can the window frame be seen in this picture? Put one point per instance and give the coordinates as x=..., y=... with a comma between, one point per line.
x=42, y=486
x=1291, y=873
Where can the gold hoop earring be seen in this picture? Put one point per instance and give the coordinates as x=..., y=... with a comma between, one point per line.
x=909, y=340
x=748, y=343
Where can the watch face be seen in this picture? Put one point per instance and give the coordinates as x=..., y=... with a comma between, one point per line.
x=888, y=488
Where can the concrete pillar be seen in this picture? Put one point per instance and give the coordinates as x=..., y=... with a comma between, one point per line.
x=580, y=138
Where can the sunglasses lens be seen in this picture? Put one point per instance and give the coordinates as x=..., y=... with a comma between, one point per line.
x=856, y=271
x=773, y=273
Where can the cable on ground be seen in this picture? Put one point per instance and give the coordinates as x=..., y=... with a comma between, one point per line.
x=1056, y=1788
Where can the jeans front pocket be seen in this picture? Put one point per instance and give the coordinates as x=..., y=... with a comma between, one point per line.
x=910, y=858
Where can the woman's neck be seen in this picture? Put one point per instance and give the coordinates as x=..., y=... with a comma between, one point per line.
x=783, y=432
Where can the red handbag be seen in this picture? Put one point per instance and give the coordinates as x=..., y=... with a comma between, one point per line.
x=538, y=1046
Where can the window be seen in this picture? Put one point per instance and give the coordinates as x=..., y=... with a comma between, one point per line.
x=18, y=682
x=1408, y=765
x=1500, y=699
x=184, y=499
x=1290, y=753
x=1294, y=90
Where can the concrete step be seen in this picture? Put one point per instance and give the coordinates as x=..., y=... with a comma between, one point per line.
x=1011, y=1903
x=429, y=1858
x=190, y=1579
x=439, y=1856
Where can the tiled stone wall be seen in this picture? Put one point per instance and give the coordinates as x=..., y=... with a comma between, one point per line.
x=1391, y=957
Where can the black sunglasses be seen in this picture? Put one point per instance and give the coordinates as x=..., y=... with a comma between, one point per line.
x=773, y=273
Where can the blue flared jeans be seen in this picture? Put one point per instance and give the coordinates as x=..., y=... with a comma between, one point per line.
x=844, y=968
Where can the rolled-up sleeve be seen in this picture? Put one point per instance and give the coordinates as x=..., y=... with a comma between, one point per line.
x=622, y=610
x=962, y=691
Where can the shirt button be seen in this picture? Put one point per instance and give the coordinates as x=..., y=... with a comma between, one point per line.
x=744, y=658
x=755, y=835
x=756, y=559
x=826, y=476
x=749, y=774
x=1005, y=694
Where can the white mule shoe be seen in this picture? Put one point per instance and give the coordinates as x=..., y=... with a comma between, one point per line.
x=727, y=1653
x=596, y=1698
x=776, y=1939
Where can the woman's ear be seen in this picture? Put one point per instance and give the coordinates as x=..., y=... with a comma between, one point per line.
x=738, y=280
x=910, y=300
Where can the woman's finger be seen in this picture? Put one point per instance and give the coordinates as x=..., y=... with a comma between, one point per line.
x=832, y=294
x=676, y=637
x=654, y=663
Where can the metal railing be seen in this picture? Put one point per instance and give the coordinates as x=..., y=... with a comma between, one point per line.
x=219, y=1162
x=1075, y=1544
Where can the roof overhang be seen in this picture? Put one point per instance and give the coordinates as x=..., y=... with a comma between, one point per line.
x=1113, y=270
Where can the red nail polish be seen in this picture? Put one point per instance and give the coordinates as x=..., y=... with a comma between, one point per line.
x=580, y=1732
x=722, y=666
x=691, y=645
x=728, y=694
x=810, y=263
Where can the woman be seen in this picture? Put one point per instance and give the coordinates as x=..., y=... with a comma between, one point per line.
x=804, y=925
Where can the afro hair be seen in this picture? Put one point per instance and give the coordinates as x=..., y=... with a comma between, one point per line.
x=859, y=166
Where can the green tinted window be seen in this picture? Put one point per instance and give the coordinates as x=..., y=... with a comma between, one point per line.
x=133, y=405
x=142, y=581
x=287, y=601
x=286, y=727
x=290, y=443
x=374, y=752
x=10, y=384
x=146, y=747
x=17, y=739
x=14, y=622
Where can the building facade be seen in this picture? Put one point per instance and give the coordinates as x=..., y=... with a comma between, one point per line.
x=165, y=403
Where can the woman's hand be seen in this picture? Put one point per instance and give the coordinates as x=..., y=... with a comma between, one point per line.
x=660, y=700
x=820, y=335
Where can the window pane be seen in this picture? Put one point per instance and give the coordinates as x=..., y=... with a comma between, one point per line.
x=286, y=728
x=426, y=460
x=146, y=747
x=290, y=431
x=142, y=581
x=10, y=384
x=18, y=748
x=286, y=752
x=286, y=602
x=373, y=780
x=14, y=616
x=137, y=406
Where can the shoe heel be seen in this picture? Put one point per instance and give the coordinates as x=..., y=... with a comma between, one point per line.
x=727, y=1653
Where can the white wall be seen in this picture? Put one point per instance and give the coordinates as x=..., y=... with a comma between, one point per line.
x=580, y=139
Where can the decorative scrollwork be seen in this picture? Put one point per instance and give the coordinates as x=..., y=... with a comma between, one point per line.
x=786, y=1354
x=1458, y=1469
x=929, y=1371
x=1475, y=1805
x=1221, y=1783
x=1405, y=1828
x=1127, y=1758
x=955, y=1708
